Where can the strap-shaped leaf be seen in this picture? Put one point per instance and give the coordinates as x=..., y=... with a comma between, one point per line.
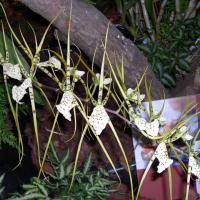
x=69, y=168
x=183, y=64
x=30, y=196
x=61, y=171
x=43, y=189
x=66, y=156
x=88, y=162
x=54, y=152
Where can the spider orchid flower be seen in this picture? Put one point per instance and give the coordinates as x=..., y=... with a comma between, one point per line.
x=186, y=136
x=135, y=97
x=53, y=60
x=99, y=119
x=161, y=118
x=162, y=156
x=152, y=128
x=106, y=81
x=19, y=92
x=66, y=105
x=195, y=167
x=12, y=71
x=77, y=73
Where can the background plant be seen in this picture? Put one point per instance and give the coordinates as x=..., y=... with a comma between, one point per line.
x=86, y=185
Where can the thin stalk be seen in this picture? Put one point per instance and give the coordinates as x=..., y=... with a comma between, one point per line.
x=147, y=21
x=190, y=8
x=178, y=9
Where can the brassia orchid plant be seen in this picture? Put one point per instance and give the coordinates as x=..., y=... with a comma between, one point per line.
x=99, y=118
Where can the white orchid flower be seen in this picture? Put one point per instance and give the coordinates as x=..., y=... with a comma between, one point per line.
x=135, y=97
x=66, y=105
x=13, y=71
x=53, y=60
x=19, y=92
x=161, y=118
x=187, y=136
x=77, y=73
x=195, y=167
x=99, y=119
x=152, y=128
x=162, y=156
x=106, y=81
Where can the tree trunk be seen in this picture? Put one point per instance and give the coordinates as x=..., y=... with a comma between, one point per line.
x=88, y=27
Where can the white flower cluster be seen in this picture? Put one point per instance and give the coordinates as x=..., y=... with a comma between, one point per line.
x=99, y=119
x=53, y=60
x=19, y=92
x=195, y=167
x=135, y=96
x=66, y=105
x=162, y=156
x=77, y=73
x=161, y=118
x=106, y=81
x=187, y=136
x=151, y=128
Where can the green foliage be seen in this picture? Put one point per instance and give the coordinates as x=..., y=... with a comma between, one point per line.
x=6, y=134
x=165, y=56
x=86, y=185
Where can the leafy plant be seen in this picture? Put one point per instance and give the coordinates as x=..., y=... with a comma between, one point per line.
x=86, y=185
x=168, y=57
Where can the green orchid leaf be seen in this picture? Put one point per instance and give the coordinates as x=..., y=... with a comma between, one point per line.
x=12, y=56
x=88, y=162
x=38, y=97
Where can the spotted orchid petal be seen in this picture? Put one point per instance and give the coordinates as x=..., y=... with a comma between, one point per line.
x=162, y=156
x=99, y=119
x=106, y=81
x=195, y=167
x=135, y=97
x=12, y=71
x=53, y=60
x=66, y=105
x=77, y=73
x=186, y=136
x=152, y=128
x=19, y=92
x=161, y=118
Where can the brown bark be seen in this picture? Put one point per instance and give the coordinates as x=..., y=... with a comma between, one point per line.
x=88, y=27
